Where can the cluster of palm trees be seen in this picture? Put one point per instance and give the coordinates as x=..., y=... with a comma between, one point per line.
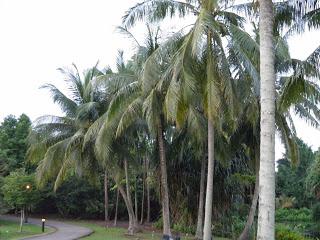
x=210, y=88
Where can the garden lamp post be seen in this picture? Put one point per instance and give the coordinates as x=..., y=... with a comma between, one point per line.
x=43, y=223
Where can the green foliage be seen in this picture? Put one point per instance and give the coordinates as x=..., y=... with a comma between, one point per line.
x=13, y=144
x=158, y=224
x=77, y=198
x=229, y=226
x=293, y=215
x=3, y=205
x=181, y=228
x=291, y=180
x=283, y=233
x=19, y=190
x=313, y=177
x=316, y=212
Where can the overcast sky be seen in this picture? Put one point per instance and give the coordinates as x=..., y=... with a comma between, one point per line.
x=38, y=36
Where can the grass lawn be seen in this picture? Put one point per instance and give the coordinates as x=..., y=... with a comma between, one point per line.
x=101, y=233
x=10, y=230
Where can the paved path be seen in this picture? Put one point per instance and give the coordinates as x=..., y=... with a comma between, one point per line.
x=64, y=231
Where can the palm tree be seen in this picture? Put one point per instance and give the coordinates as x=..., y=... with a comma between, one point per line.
x=142, y=101
x=269, y=115
x=100, y=135
x=296, y=90
x=56, y=142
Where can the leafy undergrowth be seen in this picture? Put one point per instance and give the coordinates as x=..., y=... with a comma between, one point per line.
x=10, y=230
x=294, y=215
x=101, y=233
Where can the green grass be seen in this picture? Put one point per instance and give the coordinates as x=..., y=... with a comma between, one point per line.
x=101, y=233
x=10, y=230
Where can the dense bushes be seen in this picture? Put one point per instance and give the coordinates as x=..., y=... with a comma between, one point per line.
x=182, y=228
x=230, y=227
x=293, y=215
x=283, y=233
x=83, y=200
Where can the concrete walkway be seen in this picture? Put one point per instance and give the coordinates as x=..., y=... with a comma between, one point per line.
x=64, y=231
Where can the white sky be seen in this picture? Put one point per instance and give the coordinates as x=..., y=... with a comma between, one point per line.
x=38, y=36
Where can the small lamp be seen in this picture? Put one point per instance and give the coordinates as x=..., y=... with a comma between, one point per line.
x=43, y=223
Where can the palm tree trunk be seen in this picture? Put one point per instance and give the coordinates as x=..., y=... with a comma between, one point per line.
x=143, y=190
x=208, y=207
x=164, y=183
x=21, y=220
x=116, y=212
x=246, y=231
x=148, y=191
x=133, y=223
x=127, y=180
x=106, y=199
x=266, y=220
x=136, y=198
x=199, y=231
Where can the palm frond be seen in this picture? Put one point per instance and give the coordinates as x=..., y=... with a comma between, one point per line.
x=156, y=10
x=67, y=105
x=288, y=138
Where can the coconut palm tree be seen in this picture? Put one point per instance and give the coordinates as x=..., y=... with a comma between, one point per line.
x=141, y=101
x=303, y=92
x=56, y=142
x=294, y=97
x=212, y=23
x=100, y=135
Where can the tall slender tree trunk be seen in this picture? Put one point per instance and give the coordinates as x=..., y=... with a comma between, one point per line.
x=246, y=231
x=133, y=223
x=199, y=231
x=106, y=199
x=266, y=220
x=208, y=207
x=164, y=183
x=136, y=198
x=21, y=219
x=116, y=212
x=143, y=188
x=148, y=190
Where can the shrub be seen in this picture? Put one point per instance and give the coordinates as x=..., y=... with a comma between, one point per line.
x=158, y=224
x=229, y=227
x=283, y=233
x=316, y=212
x=293, y=215
x=181, y=228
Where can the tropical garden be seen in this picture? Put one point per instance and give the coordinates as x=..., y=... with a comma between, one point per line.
x=179, y=139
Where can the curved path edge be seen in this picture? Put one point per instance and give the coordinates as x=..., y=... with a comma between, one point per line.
x=64, y=231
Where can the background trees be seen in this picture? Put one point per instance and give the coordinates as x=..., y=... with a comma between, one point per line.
x=13, y=143
x=291, y=178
